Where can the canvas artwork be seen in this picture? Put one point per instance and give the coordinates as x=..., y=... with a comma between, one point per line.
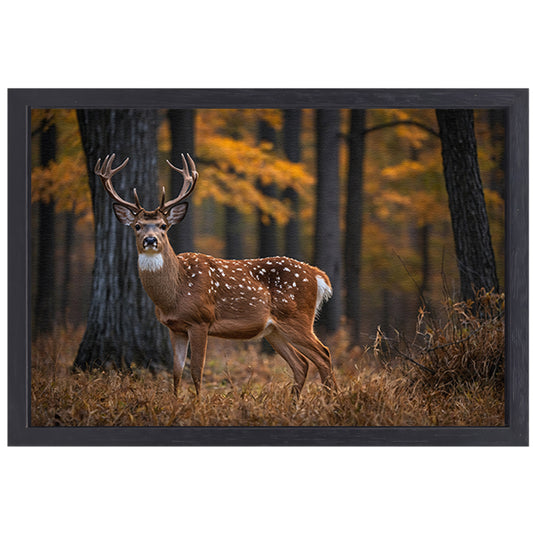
x=267, y=267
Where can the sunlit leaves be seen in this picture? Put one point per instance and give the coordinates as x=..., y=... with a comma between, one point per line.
x=65, y=179
x=233, y=163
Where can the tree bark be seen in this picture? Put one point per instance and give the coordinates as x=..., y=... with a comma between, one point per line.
x=473, y=247
x=45, y=293
x=70, y=221
x=233, y=219
x=268, y=229
x=354, y=222
x=182, y=142
x=292, y=126
x=121, y=328
x=327, y=230
x=497, y=140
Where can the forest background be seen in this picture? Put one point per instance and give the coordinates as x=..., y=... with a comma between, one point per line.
x=257, y=197
x=380, y=199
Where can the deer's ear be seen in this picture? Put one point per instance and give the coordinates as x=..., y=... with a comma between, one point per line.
x=177, y=213
x=123, y=214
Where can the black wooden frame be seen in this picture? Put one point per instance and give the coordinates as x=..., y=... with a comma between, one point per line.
x=514, y=101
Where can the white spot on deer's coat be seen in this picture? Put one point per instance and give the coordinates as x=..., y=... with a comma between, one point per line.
x=150, y=262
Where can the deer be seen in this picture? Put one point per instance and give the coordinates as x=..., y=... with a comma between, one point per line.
x=197, y=295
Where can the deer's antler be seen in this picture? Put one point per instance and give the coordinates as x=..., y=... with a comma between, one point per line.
x=105, y=173
x=189, y=182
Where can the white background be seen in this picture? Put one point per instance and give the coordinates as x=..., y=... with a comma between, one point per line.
x=388, y=44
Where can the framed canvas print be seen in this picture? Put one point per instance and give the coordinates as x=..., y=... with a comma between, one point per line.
x=268, y=267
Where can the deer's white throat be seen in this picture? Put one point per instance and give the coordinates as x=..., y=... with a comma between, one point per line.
x=150, y=262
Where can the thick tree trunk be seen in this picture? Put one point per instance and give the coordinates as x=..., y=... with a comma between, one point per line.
x=121, y=327
x=267, y=226
x=45, y=294
x=354, y=222
x=292, y=126
x=182, y=135
x=327, y=230
x=473, y=247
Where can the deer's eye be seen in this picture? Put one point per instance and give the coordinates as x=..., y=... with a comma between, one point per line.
x=163, y=227
x=137, y=227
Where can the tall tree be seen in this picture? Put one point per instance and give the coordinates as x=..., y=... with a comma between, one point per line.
x=268, y=228
x=182, y=141
x=292, y=125
x=497, y=138
x=121, y=326
x=354, y=221
x=234, y=245
x=45, y=304
x=68, y=241
x=327, y=230
x=473, y=247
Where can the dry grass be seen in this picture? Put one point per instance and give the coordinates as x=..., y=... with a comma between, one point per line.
x=448, y=375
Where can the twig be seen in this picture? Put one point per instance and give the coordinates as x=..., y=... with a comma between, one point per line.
x=401, y=354
x=420, y=293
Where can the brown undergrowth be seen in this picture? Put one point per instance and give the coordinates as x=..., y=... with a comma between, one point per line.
x=449, y=374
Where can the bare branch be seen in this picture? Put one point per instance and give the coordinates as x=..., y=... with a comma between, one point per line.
x=403, y=123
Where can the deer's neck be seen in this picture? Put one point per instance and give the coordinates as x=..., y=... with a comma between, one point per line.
x=160, y=276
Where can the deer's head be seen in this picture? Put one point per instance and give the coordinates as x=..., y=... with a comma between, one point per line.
x=150, y=226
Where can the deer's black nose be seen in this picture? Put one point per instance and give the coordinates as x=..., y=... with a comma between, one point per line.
x=149, y=241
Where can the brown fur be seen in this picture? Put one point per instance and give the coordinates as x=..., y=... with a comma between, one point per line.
x=197, y=295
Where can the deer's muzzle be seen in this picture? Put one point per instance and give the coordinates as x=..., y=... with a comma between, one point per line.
x=150, y=242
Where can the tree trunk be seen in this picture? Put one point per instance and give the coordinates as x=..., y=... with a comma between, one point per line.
x=70, y=221
x=233, y=219
x=182, y=137
x=45, y=293
x=497, y=141
x=292, y=126
x=121, y=327
x=354, y=222
x=327, y=230
x=267, y=226
x=473, y=248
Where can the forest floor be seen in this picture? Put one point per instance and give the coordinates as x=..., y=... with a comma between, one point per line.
x=455, y=378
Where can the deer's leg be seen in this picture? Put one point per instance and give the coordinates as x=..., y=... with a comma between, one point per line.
x=198, y=342
x=310, y=346
x=296, y=361
x=180, y=343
